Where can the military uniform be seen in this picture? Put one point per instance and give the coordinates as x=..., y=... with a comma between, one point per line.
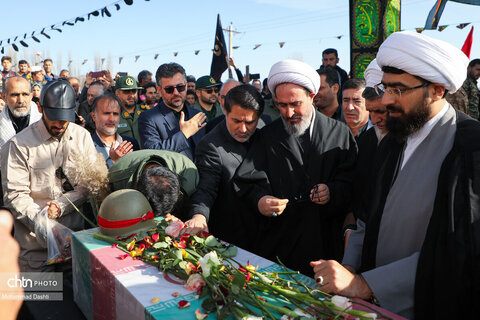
x=128, y=124
x=470, y=86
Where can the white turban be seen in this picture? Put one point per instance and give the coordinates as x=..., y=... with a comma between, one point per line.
x=434, y=60
x=293, y=71
x=373, y=74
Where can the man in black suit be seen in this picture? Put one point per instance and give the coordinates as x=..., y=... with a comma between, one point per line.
x=218, y=156
x=172, y=125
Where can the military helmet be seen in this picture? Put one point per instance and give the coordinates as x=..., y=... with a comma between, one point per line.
x=125, y=212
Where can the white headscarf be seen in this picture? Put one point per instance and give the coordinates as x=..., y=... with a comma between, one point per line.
x=373, y=74
x=293, y=71
x=434, y=60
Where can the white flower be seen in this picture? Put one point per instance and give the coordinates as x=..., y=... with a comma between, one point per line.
x=370, y=315
x=209, y=260
x=341, y=302
x=250, y=317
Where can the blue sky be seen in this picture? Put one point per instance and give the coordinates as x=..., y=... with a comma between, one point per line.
x=162, y=27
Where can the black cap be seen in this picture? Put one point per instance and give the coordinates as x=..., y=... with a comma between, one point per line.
x=58, y=101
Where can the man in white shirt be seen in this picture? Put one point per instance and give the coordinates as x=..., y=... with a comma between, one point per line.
x=106, y=115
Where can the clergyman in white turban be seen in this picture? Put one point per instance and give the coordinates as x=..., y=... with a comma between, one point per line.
x=420, y=254
x=297, y=175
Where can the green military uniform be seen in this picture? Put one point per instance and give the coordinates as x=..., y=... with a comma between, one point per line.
x=270, y=110
x=470, y=86
x=128, y=125
x=125, y=173
x=213, y=113
x=207, y=82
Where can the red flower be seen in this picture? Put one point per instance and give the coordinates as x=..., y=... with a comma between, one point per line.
x=114, y=245
x=124, y=256
x=203, y=234
x=155, y=237
x=263, y=299
x=248, y=277
x=180, y=245
x=183, y=304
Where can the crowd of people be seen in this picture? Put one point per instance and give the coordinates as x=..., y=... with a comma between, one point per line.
x=370, y=185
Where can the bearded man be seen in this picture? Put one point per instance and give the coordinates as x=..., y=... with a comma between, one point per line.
x=297, y=173
x=421, y=249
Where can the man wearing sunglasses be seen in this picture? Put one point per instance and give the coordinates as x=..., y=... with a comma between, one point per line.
x=422, y=248
x=37, y=166
x=207, y=101
x=172, y=125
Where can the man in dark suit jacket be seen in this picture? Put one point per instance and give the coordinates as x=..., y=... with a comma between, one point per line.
x=171, y=125
x=218, y=156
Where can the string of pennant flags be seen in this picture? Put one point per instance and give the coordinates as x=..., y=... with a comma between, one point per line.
x=43, y=32
x=443, y=27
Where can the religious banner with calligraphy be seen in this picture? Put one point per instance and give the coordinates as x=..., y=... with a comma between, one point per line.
x=371, y=22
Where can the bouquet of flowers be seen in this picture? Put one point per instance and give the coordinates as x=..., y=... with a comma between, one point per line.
x=227, y=286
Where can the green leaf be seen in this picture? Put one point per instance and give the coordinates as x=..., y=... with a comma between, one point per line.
x=238, y=279
x=211, y=241
x=235, y=289
x=176, y=262
x=160, y=245
x=229, y=252
x=182, y=264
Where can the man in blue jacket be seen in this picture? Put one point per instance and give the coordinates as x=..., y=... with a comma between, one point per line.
x=172, y=125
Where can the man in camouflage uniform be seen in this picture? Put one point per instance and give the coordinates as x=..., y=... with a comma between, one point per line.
x=470, y=87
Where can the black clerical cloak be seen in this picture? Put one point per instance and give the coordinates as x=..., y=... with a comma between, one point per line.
x=278, y=165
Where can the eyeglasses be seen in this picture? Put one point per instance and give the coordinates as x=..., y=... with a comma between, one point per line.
x=179, y=87
x=66, y=185
x=210, y=90
x=380, y=89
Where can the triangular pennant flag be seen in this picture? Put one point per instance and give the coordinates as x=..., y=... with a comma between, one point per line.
x=281, y=44
x=235, y=47
x=79, y=19
x=196, y=52
x=2, y=51
x=419, y=30
x=441, y=28
x=15, y=46
x=467, y=46
x=339, y=37
x=8, y=40
x=23, y=43
x=103, y=60
x=156, y=56
x=84, y=61
x=462, y=25
x=175, y=54
x=107, y=12
x=257, y=46
x=36, y=39
x=128, y=2
x=120, y=60
x=15, y=39
x=43, y=33
x=117, y=6
x=25, y=36
x=56, y=29
x=136, y=58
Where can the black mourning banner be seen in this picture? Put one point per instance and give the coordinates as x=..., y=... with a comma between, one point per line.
x=219, y=60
